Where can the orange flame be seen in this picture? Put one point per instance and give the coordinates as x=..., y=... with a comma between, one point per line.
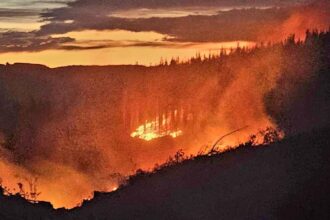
x=156, y=129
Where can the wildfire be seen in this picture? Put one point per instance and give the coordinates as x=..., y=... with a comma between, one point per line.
x=156, y=129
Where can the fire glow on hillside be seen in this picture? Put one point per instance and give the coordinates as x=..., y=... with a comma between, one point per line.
x=156, y=129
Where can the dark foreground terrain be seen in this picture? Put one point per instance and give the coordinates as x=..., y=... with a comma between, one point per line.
x=286, y=180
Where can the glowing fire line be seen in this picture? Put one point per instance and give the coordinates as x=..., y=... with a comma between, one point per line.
x=152, y=130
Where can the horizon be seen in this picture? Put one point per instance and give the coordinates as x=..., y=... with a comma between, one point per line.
x=80, y=32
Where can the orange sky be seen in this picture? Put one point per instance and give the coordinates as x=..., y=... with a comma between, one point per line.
x=144, y=55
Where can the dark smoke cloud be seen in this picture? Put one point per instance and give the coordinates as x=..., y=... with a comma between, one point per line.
x=252, y=24
x=243, y=24
x=226, y=26
x=102, y=8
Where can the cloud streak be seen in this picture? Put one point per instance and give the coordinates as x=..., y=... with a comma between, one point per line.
x=14, y=13
x=23, y=41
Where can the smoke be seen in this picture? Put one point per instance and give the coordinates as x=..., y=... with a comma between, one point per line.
x=66, y=128
x=314, y=16
x=242, y=102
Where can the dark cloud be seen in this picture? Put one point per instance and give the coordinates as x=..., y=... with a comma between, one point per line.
x=15, y=13
x=238, y=24
x=33, y=4
x=225, y=26
x=102, y=8
x=27, y=8
x=252, y=24
x=113, y=44
x=29, y=41
x=84, y=10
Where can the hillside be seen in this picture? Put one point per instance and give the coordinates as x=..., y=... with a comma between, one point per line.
x=286, y=180
x=15, y=207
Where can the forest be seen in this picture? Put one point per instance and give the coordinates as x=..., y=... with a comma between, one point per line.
x=80, y=129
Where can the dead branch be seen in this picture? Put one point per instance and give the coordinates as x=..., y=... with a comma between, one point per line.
x=226, y=135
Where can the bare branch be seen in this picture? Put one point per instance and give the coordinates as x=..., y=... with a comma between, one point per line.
x=226, y=135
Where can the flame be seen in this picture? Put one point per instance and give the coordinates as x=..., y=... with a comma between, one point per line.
x=154, y=129
x=115, y=188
